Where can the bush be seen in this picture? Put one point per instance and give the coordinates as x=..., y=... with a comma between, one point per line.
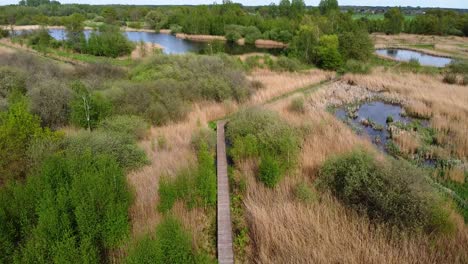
x=269, y=171
x=354, y=66
x=194, y=186
x=251, y=34
x=297, y=105
x=465, y=80
x=74, y=210
x=88, y=109
x=4, y=33
x=127, y=125
x=204, y=138
x=172, y=244
x=394, y=193
x=356, y=45
x=50, y=100
x=119, y=146
x=108, y=42
x=304, y=193
x=329, y=57
x=11, y=79
x=175, y=28
x=287, y=64
x=459, y=66
x=260, y=133
x=450, y=78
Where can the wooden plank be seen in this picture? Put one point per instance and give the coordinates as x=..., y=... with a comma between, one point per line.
x=224, y=234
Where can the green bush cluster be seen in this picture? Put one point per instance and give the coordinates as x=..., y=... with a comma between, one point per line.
x=297, y=105
x=108, y=42
x=394, y=193
x=74, y=210
x=118, y=145
x=235, y=32
x=194, y=186
x=354, y=66
x=257, y=133
x=131, y=126
x=171, y=244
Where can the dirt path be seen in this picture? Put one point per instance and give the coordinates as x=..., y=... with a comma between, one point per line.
x=224, y=231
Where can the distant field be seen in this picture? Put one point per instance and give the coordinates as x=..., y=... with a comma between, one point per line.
x=377, y=16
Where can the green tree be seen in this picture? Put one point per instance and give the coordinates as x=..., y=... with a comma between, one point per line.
x=394, y=21
x=328, y=53
x=88, y=109
x=304, y=44
x=326, y=6
x=74, y=27
x=356, y=45
x=297, y=8
x=109, y=14
x=18, y=129
x=284, y=8
x=156, y=19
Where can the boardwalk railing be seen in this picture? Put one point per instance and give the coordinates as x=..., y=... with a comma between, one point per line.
x=224, y=234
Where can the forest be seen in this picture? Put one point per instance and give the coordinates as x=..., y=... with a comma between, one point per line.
x=108, y=145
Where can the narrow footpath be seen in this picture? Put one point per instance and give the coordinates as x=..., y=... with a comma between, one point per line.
x=224, y=231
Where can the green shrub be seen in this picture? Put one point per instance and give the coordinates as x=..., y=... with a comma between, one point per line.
x=108, y=42
x=194, y=186
x=117, y=145
x=465, y=80
x=284, y=63
x=354, y=66
x=297, y=105
x=251, y=34
x=4, y=33
x=78, y=210
x=450, y=78
x=11, y=79
x=172, y=244
x=206, y=176
x=87, y=109
x=329, y=57
x=128, y=125
x=204, y=137
x=356, y=45
x=136, y=25
x=394, y=193
x=175, y=28
x=304, y=193
x=269, y=171
x=459, y=66
x=258, y=132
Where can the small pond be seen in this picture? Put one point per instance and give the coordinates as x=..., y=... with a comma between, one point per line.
x=173, y=45
x=407, y=55
x=370, y=119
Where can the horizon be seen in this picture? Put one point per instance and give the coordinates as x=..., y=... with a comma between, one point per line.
x=452, y=4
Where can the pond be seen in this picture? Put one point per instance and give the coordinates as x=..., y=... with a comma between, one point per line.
x=407, y=55
x=370, y=119
x=173, y=45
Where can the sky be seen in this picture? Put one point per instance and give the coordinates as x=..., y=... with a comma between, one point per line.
x=422, y=3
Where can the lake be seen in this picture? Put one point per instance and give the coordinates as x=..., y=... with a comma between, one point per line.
x=173, y=45
x=407, y=55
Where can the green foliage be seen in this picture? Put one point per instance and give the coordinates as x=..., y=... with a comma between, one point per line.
x=194, y=78
x=109, y=42
x=194, y=186
x=394, y=21
x=356, y=45
x=329, y=56
x=326, y=6
x=120, y=146
x=172, y=244
x=304, y=193
x=459, y=66
x=287, y=64
x=297, y=105
x=251, y=34
x=269, y=171
x=304, y=44
x=130, y=126
x=204, y=138
x=260, y=133
x=11, y=79
x=4, y=33
x=395, y=192
x=354, y=66
x=174, y=28
x=88, y=109
x=206, y=176
x=74, y=210
x=18, y=129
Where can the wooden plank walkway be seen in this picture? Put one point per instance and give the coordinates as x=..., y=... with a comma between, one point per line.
x=224, y=232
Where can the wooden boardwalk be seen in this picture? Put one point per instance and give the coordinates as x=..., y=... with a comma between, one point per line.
x=224, y=232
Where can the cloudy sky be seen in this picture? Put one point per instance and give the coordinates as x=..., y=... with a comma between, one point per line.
x=423, y=3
